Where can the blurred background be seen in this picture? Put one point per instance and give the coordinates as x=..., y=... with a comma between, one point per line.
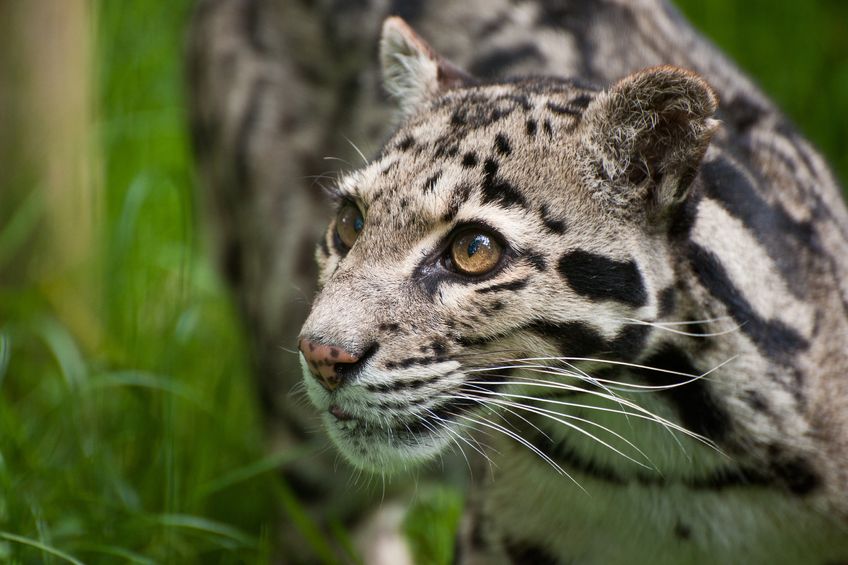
x=129, y=426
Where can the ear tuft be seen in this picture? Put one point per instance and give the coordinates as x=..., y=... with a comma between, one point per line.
x=413, y=73
x=653, y=126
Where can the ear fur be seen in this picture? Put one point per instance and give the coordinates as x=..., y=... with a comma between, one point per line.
x=651, y=130
x=413, y=73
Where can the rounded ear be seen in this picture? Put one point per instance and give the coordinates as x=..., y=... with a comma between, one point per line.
x=652, y=128
x=413, y=73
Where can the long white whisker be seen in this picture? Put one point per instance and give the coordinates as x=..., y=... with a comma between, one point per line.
x=629, y=404
x=357, y=149
x=489, y=424
x=664, y=327
x=558, y=417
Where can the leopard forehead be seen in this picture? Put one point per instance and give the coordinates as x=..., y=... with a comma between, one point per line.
x=486, y=148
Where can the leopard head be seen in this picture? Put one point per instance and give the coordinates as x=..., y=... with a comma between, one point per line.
x=503, y=227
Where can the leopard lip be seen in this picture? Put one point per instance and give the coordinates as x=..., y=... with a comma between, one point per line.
x=339, y=414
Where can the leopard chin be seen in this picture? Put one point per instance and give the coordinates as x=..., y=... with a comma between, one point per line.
x=381, y=448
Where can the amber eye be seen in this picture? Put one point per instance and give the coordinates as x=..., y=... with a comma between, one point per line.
x=475, y=252
x=349, y=223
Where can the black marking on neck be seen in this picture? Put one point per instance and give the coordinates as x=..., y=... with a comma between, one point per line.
x=786, y=240
x=601, y=278
x=720, y=479
x=794, y=472
x=630, y=341
x=667, y=301
x=530, y=127
x=773, y=338
x=694, y=402
x=469, y=160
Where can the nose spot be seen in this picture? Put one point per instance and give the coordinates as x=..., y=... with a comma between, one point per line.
x=323, y=361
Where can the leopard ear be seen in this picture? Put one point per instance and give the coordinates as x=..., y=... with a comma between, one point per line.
x=649, y=132
x=413, y=72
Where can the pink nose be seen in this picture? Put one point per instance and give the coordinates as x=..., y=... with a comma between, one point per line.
x=322, y=361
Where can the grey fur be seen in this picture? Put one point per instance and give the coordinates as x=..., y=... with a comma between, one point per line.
x=758, y=238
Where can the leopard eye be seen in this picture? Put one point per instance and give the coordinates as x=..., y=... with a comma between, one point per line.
x=475, y=252
x=349, y=223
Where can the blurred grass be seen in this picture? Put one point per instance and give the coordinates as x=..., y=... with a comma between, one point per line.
x=128, y=427
x=797, y=52
x=130, y=434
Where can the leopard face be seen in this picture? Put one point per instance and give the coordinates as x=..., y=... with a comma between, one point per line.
x=502, y=226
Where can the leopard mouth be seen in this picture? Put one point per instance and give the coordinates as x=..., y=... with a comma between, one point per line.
x=386, y=442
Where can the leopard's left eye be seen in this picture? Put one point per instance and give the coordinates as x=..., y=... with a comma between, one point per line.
x=349, y=223
x=475, y=252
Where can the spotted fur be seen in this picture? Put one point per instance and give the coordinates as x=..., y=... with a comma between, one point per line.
x=673, y=282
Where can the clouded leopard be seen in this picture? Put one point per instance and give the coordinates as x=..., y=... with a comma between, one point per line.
x=621, y=289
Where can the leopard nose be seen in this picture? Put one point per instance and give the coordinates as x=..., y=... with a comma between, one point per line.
x=325, y=362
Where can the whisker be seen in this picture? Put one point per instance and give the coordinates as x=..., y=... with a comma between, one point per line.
x=330, y=158
x=557, y=417
x=489, y=424
x=663, y=326
x=629, y=404
x=352, y=144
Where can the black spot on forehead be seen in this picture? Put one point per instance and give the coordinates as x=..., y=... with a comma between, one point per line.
x=469, y=160
x=530, y=127
x=502, y=145
x=553, y=225
x=445, y=146
x=496, y=189
x=431, y=181
x=474, y=111
x=460, y=194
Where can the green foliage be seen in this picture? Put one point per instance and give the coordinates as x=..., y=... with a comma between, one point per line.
x=796, y=52
x=432, y=523
x=143, y=444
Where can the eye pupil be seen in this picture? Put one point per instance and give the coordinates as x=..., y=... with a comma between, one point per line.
x=478, y=241
x=349, y=222
x=474, y=252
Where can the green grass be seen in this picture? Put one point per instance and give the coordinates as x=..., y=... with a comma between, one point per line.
x=143, y=444
x=130, y=432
